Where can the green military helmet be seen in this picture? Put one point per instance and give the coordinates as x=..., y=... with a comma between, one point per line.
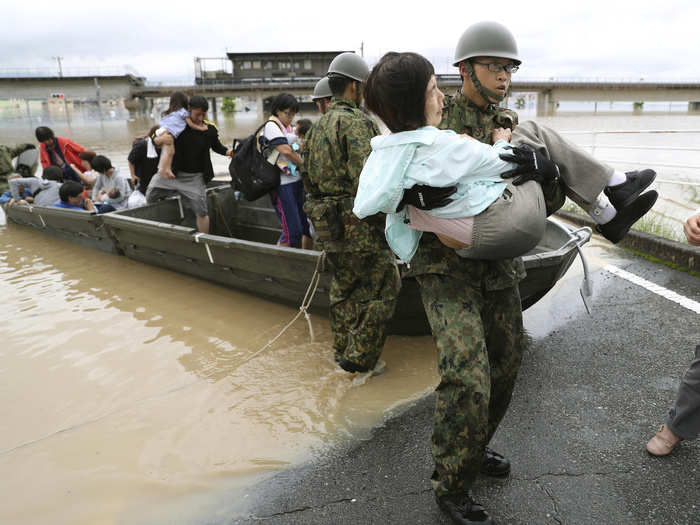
x=322, y=89
x=349, y=65
x=487, y=39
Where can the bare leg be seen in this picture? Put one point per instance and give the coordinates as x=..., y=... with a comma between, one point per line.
x=203, y=224
x=167, y=145
x=307, y=243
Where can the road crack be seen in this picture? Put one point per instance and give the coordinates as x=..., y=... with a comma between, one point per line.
x=566, y=474
x=301, y=509
x=555, y=504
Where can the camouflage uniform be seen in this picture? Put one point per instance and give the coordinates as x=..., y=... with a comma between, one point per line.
x=475, y=315
x=7, y=153
x=365, y=281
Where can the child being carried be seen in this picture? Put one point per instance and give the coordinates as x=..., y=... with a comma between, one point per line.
x=173, y=122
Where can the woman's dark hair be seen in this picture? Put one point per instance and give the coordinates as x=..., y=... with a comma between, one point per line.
x=87, y=155
x=395, y=90
x=101, y=164
x=178, y=100
x=53, y=173
x=149, y=134
x=284, y=101
x=43, y=133
x=199, y=102
x=70, y=188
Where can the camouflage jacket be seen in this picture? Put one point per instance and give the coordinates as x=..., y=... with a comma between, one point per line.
x=7, y=153
x=334, y=152
x=461, y=115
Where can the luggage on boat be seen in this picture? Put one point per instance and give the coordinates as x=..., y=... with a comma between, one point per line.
x=27, y=162
x=251, y=173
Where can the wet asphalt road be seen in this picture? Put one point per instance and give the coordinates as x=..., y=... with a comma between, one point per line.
x=591, y=392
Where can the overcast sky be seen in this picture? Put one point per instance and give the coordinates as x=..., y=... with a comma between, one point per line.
x=597, y=38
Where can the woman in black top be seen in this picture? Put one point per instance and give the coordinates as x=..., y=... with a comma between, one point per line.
x=191, y=165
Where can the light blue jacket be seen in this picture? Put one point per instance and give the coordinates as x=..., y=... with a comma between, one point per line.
x=432, y=157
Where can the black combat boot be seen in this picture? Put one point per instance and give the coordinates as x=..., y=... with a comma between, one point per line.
x=351, y=367
x=624, y=194
x=494, y=464
x=463, y=510
x=617, y=228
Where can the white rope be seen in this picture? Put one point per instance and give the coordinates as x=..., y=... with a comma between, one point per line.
x=303, y=309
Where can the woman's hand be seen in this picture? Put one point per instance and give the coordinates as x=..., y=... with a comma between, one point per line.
x=501, y=134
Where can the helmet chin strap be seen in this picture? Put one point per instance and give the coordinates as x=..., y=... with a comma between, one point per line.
x=483, y=91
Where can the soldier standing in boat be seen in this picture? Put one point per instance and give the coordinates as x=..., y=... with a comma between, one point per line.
x=473, y=306
x=365, y=279
x=7, y=153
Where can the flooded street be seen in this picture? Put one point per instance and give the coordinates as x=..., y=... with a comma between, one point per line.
x=126, y=391
x=122, y=389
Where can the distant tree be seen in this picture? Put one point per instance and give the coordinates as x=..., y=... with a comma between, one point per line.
x=228, y=105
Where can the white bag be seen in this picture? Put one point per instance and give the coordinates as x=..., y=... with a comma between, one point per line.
x=136, y=200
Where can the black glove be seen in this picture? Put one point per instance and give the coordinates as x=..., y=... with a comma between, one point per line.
x=426, y=197
x=532, y=165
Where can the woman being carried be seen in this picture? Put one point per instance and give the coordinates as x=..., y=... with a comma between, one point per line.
x=489, y=217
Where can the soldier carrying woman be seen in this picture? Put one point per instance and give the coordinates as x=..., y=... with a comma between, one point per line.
x=472, y=301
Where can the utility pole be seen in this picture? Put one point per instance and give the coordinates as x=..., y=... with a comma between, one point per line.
x=60, y=69
x=362, y=49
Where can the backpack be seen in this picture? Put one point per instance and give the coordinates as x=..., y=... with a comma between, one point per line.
x=251, y=173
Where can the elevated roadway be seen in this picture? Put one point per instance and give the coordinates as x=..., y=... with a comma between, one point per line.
x=89, y=88
x=84, y=88
x=550, y=92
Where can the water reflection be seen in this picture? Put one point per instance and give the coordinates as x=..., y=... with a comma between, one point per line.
x=124, y=383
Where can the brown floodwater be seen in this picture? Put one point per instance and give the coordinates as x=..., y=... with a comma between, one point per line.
x=125, y=391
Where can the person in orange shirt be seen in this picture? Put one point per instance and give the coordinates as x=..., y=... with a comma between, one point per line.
x=59, y=151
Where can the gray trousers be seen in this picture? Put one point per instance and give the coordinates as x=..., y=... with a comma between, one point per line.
x=684, y=417
x=584, y=176
x=515, y=223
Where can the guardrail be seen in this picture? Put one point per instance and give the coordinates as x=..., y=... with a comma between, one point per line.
x=594, y=144
x=67, y=72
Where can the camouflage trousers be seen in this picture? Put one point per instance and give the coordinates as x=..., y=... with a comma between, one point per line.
x=480, y=341
x=363, y=293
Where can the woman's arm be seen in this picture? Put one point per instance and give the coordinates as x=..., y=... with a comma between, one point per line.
x=216, y=144
x=289, y=153
x=454, y=159
x=96, y=188
x=132, y=171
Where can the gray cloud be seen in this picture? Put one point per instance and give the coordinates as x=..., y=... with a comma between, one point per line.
x=595, y=39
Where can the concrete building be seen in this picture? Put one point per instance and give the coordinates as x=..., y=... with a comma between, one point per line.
x=257, y=66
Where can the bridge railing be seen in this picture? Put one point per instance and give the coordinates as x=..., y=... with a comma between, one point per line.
x=595, y=145
x=67, y=72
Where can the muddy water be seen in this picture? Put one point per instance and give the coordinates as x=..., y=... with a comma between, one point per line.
x=125, y=395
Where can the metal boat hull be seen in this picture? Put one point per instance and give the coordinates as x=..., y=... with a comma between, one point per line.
x=240, y=252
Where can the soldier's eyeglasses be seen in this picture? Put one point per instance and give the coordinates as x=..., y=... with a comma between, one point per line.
x=495, y=67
